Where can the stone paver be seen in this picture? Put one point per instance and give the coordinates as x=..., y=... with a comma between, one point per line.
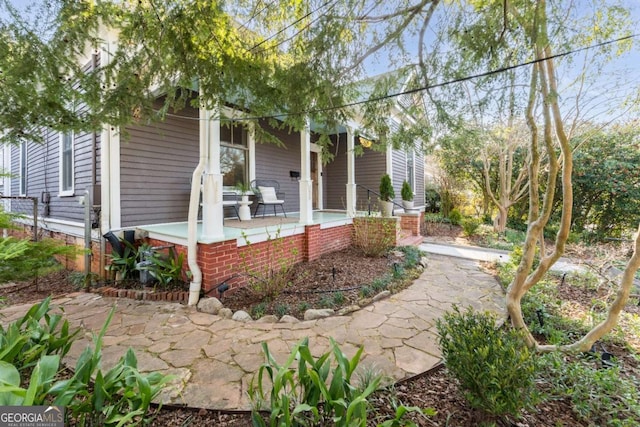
x=213, y=359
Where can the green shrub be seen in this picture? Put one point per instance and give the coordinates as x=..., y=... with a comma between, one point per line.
x=455, y=217
x=282, y=309
x=435, y=218
x=127, y=263
x=24, y=259
x=386, y=188
x=374, y=236
x=269, y=280
x=516, y=256
x=166, y=268
x=380, y=283
x=314, y=394
x=326, y=301
x=338, y=298
x=406, y=192
x=470, y=226
x=495, y=369
x=259, y=310
x=412, y=256
x=431, y=199
x=36, y=334
x=366, y=291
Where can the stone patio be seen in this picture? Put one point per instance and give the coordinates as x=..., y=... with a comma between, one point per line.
x=214, y=359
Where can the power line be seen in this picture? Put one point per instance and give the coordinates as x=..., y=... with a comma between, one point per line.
x=256, y=13
x=428, y=87
x=474, y=76
x=291, y=25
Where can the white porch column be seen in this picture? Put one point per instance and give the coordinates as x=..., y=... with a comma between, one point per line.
x=110, y=217
x=306, y=185
x=212, y=208
x=351, y=175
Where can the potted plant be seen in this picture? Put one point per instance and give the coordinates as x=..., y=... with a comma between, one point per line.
x=407, y=196
x=244, y=190
x=386, y=195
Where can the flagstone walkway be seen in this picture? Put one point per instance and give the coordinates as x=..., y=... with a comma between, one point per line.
x=214, y=359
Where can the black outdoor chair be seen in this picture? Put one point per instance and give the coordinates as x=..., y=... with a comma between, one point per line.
x=267, y=193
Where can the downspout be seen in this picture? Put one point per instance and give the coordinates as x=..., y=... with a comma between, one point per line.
x=94, y=136
x=194, y=204
x=88, y=198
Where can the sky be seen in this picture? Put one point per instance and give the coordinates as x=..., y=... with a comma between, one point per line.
x=617, y=80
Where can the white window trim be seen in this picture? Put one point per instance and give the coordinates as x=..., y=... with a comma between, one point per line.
x=249, y=147
x=411, y=179
x=71, y=192
x=23, y=165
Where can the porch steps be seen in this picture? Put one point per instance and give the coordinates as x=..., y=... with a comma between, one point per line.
x=406, y=239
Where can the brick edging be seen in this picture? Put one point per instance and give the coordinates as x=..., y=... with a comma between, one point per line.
x=143, y=295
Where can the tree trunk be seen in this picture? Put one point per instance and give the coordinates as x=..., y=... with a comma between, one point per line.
x=604, y=327
x=500, y=221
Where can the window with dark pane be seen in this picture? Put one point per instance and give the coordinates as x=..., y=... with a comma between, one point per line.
x=234, y=155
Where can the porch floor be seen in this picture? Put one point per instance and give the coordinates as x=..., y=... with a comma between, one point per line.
x=176, y=232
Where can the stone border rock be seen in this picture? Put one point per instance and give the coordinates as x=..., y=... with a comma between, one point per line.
x=212, y=305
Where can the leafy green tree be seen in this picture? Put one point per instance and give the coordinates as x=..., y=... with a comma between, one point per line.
x=285, y=61
x=493, y=34
x=606, y=182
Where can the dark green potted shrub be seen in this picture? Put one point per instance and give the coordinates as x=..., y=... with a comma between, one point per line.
x=407, y=195
x=386, y=195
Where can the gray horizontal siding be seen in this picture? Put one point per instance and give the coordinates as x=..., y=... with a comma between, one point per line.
x=399, y=172
x=369, y=170
x=418, y=199
x=156, y=166
x=273, y=162
x=43, y=174
x=335, y=175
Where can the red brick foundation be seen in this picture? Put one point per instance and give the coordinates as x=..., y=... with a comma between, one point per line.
x=227, y=262
x=222, y=261
x=410, y=222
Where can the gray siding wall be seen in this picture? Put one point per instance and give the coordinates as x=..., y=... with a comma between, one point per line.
x=418, y=198
x=369, y=169
x=399, y=172
x=334, y=175
x=273, y=162
x=43, y=174
x=156, y=166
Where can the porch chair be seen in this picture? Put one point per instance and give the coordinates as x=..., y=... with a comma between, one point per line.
x=230, y=199
x=267, y=193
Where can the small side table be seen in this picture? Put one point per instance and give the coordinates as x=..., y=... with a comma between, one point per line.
x=244, y=212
